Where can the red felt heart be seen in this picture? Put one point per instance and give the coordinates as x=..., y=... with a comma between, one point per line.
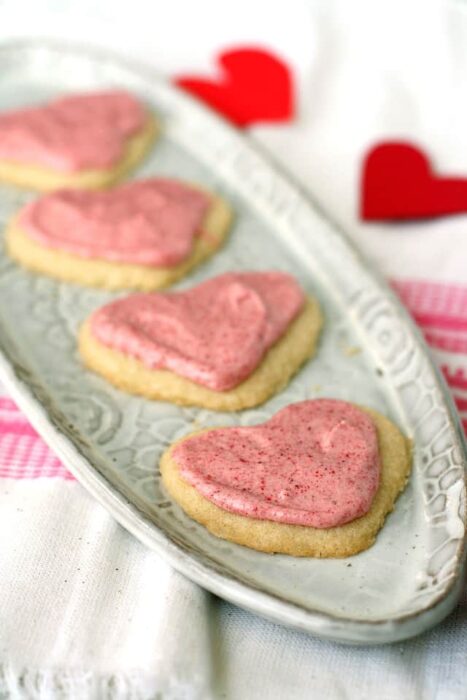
x=314, y=463
x=254, y=86
x=398, y=183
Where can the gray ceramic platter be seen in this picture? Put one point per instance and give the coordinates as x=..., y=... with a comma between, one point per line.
x=370, y=353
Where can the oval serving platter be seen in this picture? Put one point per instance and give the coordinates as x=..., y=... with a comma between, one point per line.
x=370, y=353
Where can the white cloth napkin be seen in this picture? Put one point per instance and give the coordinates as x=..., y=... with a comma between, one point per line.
x=85, y=610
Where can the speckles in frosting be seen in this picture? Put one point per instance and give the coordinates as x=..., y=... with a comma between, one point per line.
x=215, y=334
x=72, y=133
x=149, y=222
x=315, y=463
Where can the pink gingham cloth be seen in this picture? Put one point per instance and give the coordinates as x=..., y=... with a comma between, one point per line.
x=23, y=454
x=85, y=610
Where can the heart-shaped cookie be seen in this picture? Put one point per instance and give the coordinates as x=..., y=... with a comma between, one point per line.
x=214, y=334
x=146, y=222
x=72, y=133
x=86, y=141
x=315, y=463
x=145, y=234
x=229, y=343
x=317, y=479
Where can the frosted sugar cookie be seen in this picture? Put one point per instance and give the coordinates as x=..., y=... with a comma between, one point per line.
x=143, y=235
x=227, y=344
x=86, y=141
x=317, y=479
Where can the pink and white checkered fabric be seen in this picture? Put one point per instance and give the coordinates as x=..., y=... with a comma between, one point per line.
x=23, y=453
x=441, y=312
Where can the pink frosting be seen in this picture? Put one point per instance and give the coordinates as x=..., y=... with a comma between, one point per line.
x=72, y=133
x=315, y=463
x=148, y=222
x=215, y=334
